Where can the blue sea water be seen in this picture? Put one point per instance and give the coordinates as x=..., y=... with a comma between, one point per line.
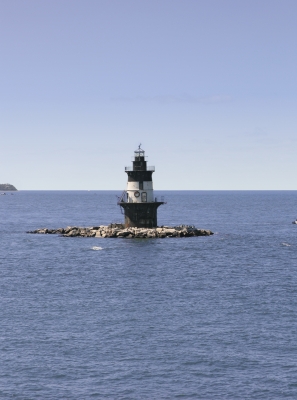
x=194, y=318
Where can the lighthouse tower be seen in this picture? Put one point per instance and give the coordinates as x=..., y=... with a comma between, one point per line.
x=138, y=201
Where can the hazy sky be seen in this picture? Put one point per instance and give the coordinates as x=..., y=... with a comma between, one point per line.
x=209, y=87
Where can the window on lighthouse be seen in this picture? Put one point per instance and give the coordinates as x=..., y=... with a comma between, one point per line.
x=140, y=185
x=143, y=197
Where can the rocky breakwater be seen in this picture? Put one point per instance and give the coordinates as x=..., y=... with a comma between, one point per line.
x=119, y=231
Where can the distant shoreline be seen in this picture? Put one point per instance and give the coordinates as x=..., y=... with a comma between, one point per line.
x=7, y=187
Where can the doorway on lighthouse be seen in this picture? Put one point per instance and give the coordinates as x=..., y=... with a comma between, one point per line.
x=143, y=197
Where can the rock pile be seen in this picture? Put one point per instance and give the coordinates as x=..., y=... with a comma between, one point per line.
x=119, y=231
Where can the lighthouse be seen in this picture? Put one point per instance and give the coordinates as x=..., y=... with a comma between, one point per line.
x=138, y=201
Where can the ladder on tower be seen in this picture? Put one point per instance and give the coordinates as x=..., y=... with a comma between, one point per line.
x=121, y=199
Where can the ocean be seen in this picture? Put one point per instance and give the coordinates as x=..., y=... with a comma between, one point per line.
x=176, y=318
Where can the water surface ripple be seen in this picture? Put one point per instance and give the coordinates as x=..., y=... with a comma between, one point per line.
x=202, y=318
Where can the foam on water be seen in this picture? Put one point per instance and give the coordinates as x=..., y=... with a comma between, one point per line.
x=96, y=248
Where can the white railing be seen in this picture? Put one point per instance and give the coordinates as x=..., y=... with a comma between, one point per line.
x=160, y=199
x=149, y=168
x=123, y=199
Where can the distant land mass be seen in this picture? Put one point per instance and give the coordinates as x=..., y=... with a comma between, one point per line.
x=7, y=186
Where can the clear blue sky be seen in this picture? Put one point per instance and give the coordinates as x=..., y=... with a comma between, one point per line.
x=209, y=87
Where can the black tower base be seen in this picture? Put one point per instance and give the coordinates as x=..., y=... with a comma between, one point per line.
x=141, y=215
